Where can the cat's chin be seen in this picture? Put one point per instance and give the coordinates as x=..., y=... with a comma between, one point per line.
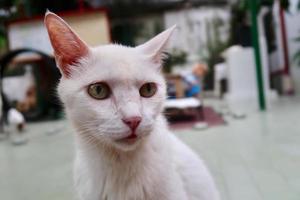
x=127, y=145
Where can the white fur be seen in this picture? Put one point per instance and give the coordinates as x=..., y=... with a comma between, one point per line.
x=156, y=166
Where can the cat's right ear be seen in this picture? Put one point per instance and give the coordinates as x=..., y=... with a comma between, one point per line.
x=68, y=47
x=155, y=47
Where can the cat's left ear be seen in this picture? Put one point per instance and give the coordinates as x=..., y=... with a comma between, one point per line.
x=155, y=47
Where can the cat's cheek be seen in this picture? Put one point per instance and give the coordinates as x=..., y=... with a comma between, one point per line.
x=150, y=117
x=145, y=129
x=152, y=110
x=158, y=108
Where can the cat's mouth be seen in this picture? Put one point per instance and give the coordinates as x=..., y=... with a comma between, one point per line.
x=132, y=138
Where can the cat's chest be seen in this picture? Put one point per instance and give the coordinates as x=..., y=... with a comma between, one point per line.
x=131, y=191
x=141, y=181
x=130, y=185
x=143, y=177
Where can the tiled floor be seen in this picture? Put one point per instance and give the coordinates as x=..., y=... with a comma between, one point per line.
x=257, y=158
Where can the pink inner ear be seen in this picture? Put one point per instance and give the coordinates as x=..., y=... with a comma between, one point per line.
x=68, y=48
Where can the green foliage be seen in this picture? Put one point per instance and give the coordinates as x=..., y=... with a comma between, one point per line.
x=2, y=38
x=214, y=46
x=2, y=42
x=176, y=57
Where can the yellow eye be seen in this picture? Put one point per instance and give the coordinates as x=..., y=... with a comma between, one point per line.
x=99, y=91
x=148, y=90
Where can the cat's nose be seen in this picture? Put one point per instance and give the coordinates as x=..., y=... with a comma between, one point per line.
x=132, y=122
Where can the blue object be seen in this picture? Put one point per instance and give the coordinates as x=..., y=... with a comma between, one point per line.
x=194, y=90
x=193, y=85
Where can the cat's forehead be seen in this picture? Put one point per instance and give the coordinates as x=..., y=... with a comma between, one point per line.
x=119, y=56
x=119, y=63
x=114, y=51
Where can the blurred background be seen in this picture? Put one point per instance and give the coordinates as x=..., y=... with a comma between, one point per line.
x=233, y=75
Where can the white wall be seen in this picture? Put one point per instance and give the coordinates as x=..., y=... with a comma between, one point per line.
x=293, y=31
x=191, y=35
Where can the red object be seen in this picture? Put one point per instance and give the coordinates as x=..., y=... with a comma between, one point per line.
x=286, y=69
x=211, y=118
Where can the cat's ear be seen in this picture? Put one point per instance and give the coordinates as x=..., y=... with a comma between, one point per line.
x=68, y=47
x=155, y=47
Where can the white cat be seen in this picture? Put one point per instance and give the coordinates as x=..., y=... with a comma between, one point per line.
x=114, y=97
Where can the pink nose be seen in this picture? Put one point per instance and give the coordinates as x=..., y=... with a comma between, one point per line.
x=132, y=122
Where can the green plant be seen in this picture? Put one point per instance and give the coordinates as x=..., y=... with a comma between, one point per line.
x=176, y=57
x=214, y=47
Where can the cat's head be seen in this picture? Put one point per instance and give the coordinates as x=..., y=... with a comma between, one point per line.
x=113, y=94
